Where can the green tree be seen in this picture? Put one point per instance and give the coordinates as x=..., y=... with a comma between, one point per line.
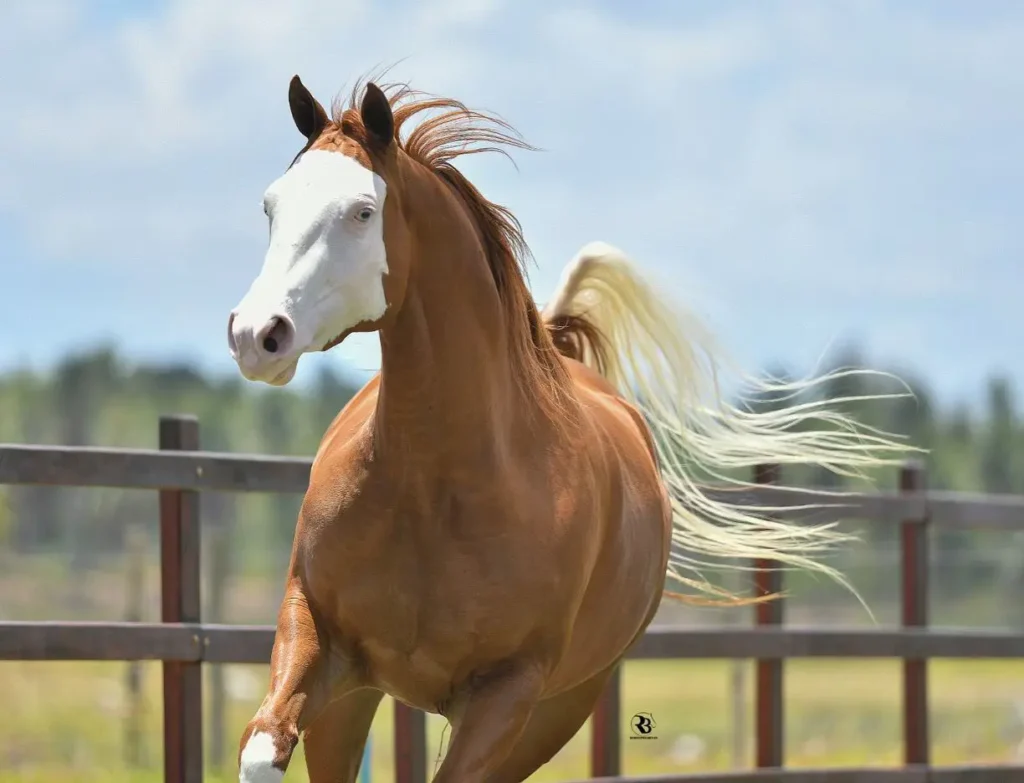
x=997, y=449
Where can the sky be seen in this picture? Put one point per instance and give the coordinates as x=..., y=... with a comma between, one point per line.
x=803, y=175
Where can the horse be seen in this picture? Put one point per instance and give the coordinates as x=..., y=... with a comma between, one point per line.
x=491, y=520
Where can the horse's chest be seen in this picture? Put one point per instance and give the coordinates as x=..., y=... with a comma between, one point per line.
x=416, y=635
x=406, y=599
x=421, y=608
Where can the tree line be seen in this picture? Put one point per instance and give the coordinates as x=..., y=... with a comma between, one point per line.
x=98, y=397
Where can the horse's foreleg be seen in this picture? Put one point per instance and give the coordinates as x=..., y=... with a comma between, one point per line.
x=488, y=722
x=303, y=678
x=335, y=741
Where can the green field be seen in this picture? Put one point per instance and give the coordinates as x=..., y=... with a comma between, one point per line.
x=68, y=721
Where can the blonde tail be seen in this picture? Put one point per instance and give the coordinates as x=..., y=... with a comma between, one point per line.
x=663, y=361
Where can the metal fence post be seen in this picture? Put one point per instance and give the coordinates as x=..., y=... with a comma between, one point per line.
x=179, y=603
x=366, y=765
x=769, y=715
x=605, y=723
x=914, y=578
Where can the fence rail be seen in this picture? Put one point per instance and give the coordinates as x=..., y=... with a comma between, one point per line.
x=908, y=774
x=179, y=470
x=87, y=466
x=215, y=643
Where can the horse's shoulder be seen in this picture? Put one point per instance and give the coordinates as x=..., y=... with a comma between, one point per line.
x=339, y=465
x=350, y=422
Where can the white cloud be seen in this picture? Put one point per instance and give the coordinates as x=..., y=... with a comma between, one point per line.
x=764, y=158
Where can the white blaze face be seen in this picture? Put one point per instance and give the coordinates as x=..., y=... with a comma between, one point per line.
x=324, y=269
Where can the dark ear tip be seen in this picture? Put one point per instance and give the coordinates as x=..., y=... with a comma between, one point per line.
x=309, y=116
x=374, y=93
x=296, y=89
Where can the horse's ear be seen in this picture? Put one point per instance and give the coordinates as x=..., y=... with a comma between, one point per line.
x=310, y=117
x=375, y=112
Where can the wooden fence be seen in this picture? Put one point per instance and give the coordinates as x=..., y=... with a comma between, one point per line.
x=179, y=471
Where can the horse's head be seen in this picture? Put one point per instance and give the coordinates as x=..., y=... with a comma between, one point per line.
x=327, y=272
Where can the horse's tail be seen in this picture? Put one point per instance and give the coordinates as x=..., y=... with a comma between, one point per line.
x=663, y=361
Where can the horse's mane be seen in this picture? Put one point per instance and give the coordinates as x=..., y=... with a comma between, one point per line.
x=453, y=131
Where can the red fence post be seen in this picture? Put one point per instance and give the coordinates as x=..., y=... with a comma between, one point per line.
x=914, y=577
x=769, y=716
x=179, y=603
x=410, y=744
x=605, y=722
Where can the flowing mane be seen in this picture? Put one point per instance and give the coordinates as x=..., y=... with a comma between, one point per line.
x=453, y=131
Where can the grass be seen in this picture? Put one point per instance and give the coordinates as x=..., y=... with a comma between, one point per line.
x=68, y=721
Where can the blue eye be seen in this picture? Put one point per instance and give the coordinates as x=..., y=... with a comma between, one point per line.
x=364, y=214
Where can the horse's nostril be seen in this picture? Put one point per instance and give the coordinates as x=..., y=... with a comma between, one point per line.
x=276, y=336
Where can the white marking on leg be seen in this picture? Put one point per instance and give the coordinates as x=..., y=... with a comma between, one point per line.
x=257, y=760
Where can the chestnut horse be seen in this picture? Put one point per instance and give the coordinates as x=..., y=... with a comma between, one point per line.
x=490, y=520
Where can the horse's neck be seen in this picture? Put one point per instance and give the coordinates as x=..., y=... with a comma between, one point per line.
x=447, y=391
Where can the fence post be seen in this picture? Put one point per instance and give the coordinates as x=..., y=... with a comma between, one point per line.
x=218, y=560
x=605, y=722
x=914, y=577
x=769, y=716
x=738, y=676
x=179, y=603
x=410, y=744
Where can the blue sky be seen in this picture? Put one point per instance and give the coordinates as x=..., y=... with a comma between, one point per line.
x=801, y=174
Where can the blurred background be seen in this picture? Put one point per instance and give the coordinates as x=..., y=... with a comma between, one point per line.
x=826, y=184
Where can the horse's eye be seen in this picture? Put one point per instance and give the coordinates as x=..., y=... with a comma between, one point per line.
x=364, y=214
